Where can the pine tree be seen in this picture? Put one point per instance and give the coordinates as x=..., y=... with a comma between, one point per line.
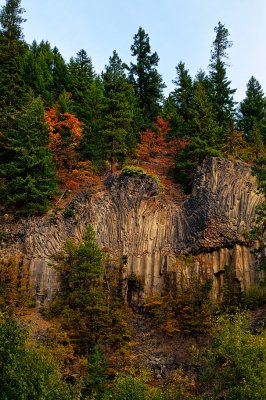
x=182, y=97
x=222, y=94
x=169, y=113
x=82, y=304
x=81, y=77
x=28, y=371
x=91, y=145
x=118, y=111
x=38, y=71
x=59, y=74
x=11, y=20
x=146, y=80
x=87, y=97
x=12, y=51
x=27, y=177
x=202, y=78
x=204, y=137
x=252, y=119
x=202, y=119
x=45, y=72
x=183, y=93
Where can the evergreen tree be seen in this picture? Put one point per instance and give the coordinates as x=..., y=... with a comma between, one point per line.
x=183, y=93
x=38, y=73
x=202, y=119
x=253, y=113
x=91, y=145
x=12, y=50
x=169, y=113
x=45, y=72
x=87, y=98
x=222, y=94
x=189, y=158
x=82, y=302
x=204, y=136
x=146, y=80
x=59, y=74
x=26, y=170
x=118, y=111
x=27, y=372
x=89, y=302
x=182, y=97
x=11, y=20
x=202, y=78
x=81, y=77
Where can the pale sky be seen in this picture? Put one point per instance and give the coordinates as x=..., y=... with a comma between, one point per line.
x=179, y=30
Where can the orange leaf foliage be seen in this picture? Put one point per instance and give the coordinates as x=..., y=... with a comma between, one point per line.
x=65, y=132
x=153, y=143
x=15, y=291
x=162, y=125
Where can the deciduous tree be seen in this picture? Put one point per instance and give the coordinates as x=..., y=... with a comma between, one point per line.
x=65, y=131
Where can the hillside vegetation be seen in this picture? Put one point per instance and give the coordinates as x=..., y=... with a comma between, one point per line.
x=63, y=128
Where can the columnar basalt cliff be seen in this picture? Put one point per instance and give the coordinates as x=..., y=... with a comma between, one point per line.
x=132, y=218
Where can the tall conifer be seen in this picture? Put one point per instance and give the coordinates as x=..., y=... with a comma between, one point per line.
x=118, y=110
x=12, y=51
x=87, y=101
x=146, y=80
x=253, y=113
x=222, y=94
x=27, y=178
x=181, y=97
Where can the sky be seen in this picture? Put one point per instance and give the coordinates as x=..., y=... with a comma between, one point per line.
x=179, y=30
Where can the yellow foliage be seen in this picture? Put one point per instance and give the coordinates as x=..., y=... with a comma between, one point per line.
x=15, y=287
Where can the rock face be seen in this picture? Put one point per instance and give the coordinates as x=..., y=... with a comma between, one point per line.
x=132, y=218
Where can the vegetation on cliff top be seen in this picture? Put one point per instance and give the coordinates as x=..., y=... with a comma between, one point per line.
x=61, y=124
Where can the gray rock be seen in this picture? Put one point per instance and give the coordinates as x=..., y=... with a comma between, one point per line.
x=132, y=218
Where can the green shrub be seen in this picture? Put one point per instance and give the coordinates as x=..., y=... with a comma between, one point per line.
x=133, y=171
x=69, y=213
x=27, y=372
x=254, y=297
x=157, y=180
x=235, y=366
x=137, y=171
x=131, y=387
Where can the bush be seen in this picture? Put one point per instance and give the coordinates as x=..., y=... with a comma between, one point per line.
x=254, y=297
x=235, y=367
x=131, y=387
x=27, y=372
x=157, y=180
x=137, y=171
x=69, y=213
x=133, y=171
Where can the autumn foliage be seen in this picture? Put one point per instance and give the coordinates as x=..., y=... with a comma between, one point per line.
x=153, y=142
x=15, y=290
x=65, y=133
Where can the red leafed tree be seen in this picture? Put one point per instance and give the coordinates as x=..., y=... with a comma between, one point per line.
x=153, y=143
x=65, y=131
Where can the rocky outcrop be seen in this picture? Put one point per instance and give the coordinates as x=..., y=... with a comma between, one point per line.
x=132, y=218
